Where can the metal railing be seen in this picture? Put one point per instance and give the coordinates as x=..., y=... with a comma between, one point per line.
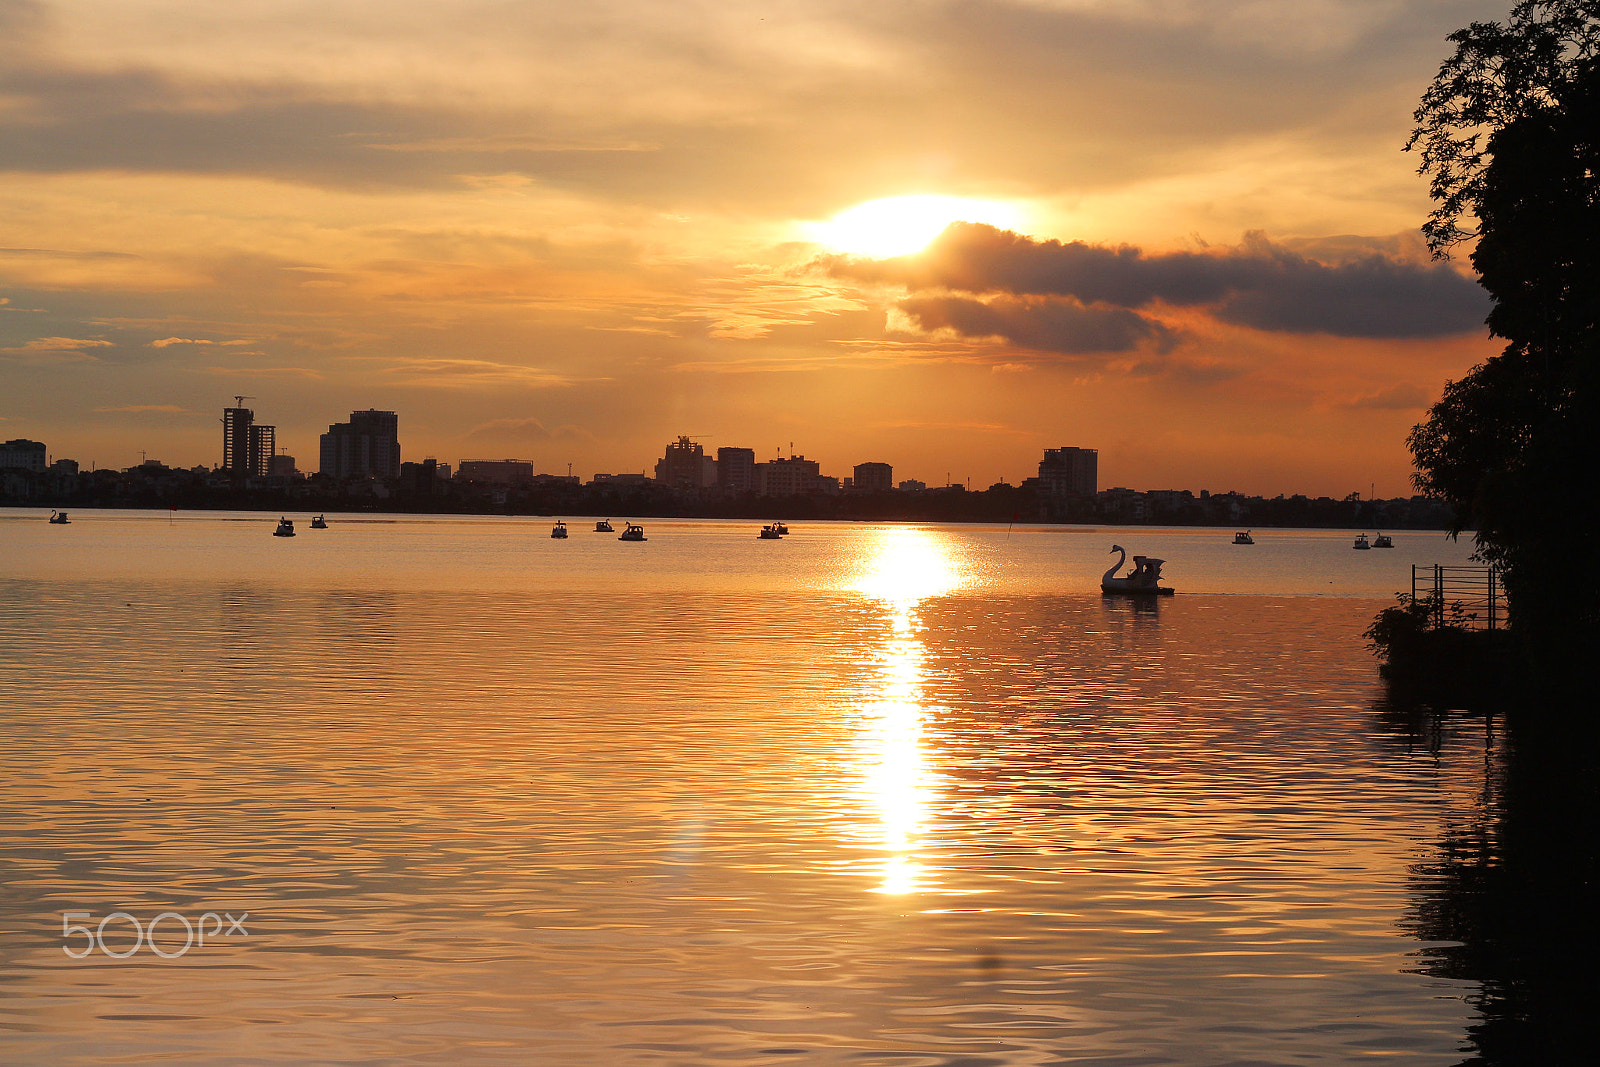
x=1470, y=598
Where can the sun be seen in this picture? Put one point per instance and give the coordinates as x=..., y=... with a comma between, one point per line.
x=899, y=225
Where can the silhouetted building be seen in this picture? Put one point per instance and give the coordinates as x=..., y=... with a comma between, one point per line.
x=366, y=446
x=911, y=485
x=421, y=478
x=496, y=471
x=247, y=449
x=1070, y=472
x=23, y=454
x=736, y=469
x=873, y=477
x=282, y=466
x=1167, y=501
x=263, y=446
x=789, y=476
x=236, y=439
x=1128, y=505
x=682, y=466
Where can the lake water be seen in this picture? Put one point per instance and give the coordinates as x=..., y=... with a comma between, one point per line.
x=873, y=794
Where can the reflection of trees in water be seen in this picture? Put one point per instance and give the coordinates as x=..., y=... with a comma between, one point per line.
x=1511, y=890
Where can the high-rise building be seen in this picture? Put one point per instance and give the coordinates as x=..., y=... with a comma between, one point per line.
x=366, y=446
x=23, y=453
x=681, y=467
x=421, y=478
x=236, y=439
x=1068, y=472
x=874, y=477
x=736, y=469
x=263, y=447
x=247, y=449
x=789, y=476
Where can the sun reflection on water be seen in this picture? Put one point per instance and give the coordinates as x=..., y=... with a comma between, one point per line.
x=906, y=567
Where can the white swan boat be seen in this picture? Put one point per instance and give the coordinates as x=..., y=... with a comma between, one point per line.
x=1141, y=580
x=603, y=526
x=632, y=532
x=285, y=529
x=1383, y=541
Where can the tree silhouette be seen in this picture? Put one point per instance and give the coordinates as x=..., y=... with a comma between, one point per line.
x=1510, y=135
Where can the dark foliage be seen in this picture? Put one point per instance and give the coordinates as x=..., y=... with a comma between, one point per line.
x=1510, y=132
x=1453, y=664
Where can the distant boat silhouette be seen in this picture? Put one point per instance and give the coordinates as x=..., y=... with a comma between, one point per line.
x=559, y=530
x=1141, y=580
x=319, y=523
x=769, y=533
x=285, y=529
x=1243, y=538
x=632, y=532
x=781, y=529
x=59, y=518
x=1361, y=542
x=603, y=526
x=1383, y=541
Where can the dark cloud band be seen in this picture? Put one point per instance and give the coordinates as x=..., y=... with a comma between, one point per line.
x=1257, y=284
x=1049, y=325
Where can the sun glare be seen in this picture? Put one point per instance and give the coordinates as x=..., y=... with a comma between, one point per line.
x=899, y=225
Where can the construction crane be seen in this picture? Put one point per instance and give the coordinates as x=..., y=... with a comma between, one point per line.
x=239, y=400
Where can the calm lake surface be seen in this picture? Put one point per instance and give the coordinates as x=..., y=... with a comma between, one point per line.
x=873, y=794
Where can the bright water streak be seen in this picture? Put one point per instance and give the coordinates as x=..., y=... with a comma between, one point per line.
x=866, y=795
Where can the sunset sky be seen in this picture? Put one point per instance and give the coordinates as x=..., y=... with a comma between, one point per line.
x=567, y=233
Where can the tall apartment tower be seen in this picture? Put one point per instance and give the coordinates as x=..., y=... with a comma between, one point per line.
x=681, y=467
x=24, y=454
x=247, y=449
x=736, y=469
x=1070, y=472
x=366, y=446
x=236, y=439
x=874, y=477
x=791, y=476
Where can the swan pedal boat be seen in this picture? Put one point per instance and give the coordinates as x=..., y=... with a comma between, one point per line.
x=769, y=533
x=285, y=529
x=1141, y=581
x=559, y=530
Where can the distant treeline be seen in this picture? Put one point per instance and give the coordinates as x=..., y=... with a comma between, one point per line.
x=162, y=487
